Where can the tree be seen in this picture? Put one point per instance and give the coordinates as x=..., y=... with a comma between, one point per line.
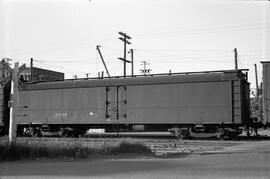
x=256, y=106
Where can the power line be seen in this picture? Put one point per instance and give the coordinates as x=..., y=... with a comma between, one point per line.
x=183, y=50
x=212, y=55
x=180, y=54
x=206, y=30
x=200, y=28
x=239, y=60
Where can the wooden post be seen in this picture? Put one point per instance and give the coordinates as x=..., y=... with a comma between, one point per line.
x=100, y=54
x=235, y=59
x=132, y=63
x=125, y=39
x=13, y=103
x=31, y=70
x=257, y=84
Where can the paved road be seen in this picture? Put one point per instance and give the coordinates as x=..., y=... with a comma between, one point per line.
x=234, y=162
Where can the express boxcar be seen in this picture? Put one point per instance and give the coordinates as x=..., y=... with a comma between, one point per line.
x=147, y=103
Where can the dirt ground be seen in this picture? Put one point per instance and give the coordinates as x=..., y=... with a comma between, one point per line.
x=239, y=158
x=166, y=147
x=241, y=143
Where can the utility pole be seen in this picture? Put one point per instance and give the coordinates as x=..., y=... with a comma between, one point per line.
x=144, y=70
x=125, y=39
x=235, y=58
x=13, y=103
x=107, y=71
x=132, y=62
x=31, y=69
x=256, y=78
x=87, y=75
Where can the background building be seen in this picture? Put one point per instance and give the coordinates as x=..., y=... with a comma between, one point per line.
x=5, y=77
x=5, y=69
x=39, y=74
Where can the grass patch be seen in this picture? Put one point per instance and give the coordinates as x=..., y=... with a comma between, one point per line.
x=44, y=149
x=128, y=146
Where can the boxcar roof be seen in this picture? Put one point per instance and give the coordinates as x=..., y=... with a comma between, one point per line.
x=140, y=80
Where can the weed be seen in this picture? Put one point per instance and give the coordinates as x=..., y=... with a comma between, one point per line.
x=44, y=149
x=129, y=146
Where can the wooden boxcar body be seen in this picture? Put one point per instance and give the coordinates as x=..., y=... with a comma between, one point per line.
x=151, y=103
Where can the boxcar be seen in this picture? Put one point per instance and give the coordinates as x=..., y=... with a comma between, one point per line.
x=145, y=103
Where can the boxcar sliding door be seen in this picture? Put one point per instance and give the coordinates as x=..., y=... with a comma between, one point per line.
x=116, y=103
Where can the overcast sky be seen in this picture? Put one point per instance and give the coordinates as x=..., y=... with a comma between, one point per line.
x=169, y=34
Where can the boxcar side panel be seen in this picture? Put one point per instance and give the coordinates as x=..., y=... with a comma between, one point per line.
x=152, y=103
x=204, y=102
x=84, y=105
x=40, y=106
x=43, y=99
x=207, y=102
x=63, y=106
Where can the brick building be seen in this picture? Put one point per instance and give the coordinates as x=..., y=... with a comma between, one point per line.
x=5, y=69
x=39, y=74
